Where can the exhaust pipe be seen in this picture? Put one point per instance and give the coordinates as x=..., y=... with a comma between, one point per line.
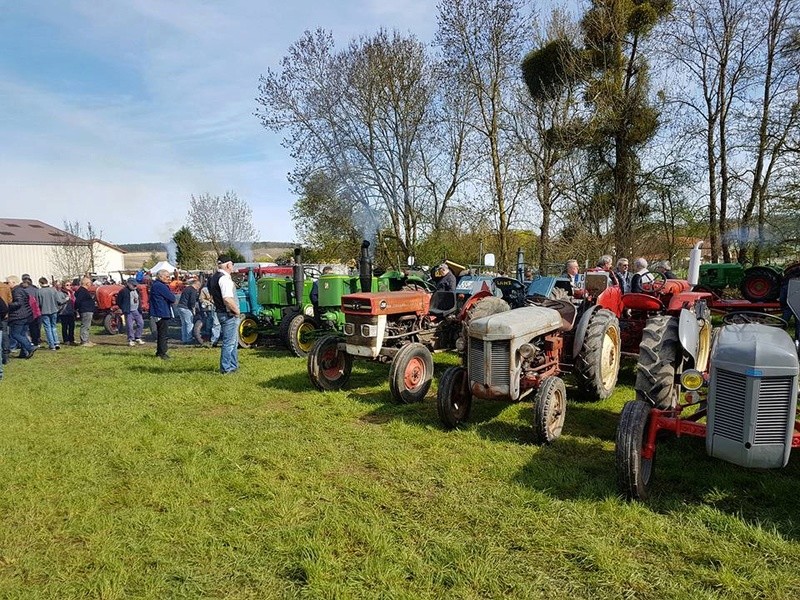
x=695, y=258
x=520, y=263
x=365, y=268
x=298, y=278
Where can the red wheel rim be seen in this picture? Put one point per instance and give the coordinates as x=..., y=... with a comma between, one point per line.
x=757, y=286
x=332, y=364
x=414, y=375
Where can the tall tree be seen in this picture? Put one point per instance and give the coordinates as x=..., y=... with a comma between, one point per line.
x=482, y=43
x=189, y=249
x=223, y=221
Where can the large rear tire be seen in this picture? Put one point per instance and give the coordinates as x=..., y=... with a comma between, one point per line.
x=300, y=335
x=549, y=410
x=659, y=356
x=248, y=332
x=454, y=399
x=490, y=305
x=760, y=284
x=634, y=473
x=410, y=373
x=328, y=367
x=597, y=363
x=112, y=323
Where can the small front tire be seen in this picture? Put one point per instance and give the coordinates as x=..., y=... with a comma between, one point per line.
x=410, y=373
x=634, y=473
x=549, y=410
x=299, y=335
x=248, y=332
x=112, y=323
x=329, y=367
x=454, y=399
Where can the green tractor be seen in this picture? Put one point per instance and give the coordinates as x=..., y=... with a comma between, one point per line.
x=761, y=283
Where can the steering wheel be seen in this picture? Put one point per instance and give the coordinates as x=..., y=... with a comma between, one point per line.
x=656, y=284
x=749, y=316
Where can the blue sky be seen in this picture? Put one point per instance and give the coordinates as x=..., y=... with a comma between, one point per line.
x=116, y=111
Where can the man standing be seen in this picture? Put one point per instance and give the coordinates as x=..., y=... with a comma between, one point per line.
x=130, y=305
x=19, y=317
x=161, y=301
x=50, y=302
x=223, y=293
x=186, y=309
x=35, y=326
x=624, y=275
x=444, y=278
x=85, y=307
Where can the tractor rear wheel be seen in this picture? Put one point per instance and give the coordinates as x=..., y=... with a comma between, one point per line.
x=597, y=363
x=410, y=373
x=760, y=284
x=549, y=410
x=112, y=323
x=300, y=335
x=484, y=307
x=659, y=356
x=248, y=332
x=328, y=367
x=634, y=473
x=454, y=399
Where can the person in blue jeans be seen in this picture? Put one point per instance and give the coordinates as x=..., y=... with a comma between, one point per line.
x=223, y=293
x=186, y=307
x=20, y=316
x=50, y=302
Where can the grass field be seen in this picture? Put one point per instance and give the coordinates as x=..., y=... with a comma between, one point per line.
x=122, y=476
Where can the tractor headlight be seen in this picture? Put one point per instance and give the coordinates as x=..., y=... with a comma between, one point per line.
x=368, y=331
x=692, y=379
x=349, y=329
x=526, y=350
x=460, y=345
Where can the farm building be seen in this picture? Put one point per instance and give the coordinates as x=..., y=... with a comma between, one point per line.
x=41, y=250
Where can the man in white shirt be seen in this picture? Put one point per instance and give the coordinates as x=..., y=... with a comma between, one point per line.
x=223, y=293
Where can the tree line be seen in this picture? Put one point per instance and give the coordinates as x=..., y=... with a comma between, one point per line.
x=628, y=129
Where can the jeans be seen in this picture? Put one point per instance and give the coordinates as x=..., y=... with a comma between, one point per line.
x=19, y=333
x=49, y=322
x=1, y=345
x=187, y=321
x=35, y=330
x=229, y=356
x=162, y=325
x=86, y=322
x=68, y=327
x=135, y=323
x=212, y=327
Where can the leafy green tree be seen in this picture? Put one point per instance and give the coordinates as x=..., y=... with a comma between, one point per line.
x=189, y=249
x=235, y=255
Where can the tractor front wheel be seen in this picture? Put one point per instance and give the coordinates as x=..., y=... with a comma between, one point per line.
x=300, y=335
x=410, y=373
x=597, y=363
x=112, y=323
x=248, y=332
x=454, y=399
x=329, y=367
x=634, y=472
x=659, y=354
x=760, y=284
x=549, y=410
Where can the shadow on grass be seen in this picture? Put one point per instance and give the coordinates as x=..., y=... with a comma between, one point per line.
x=365, y=374
x=172, y=366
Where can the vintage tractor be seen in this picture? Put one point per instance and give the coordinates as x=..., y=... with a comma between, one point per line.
x=401, y=327
x=107, y=310
x=757, y=284
x=271, y=307
x=741, y=397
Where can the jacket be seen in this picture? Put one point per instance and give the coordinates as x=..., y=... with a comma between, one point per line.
x=161, y=300
x=84, y=302
x=50, y=299
x=189, y=297
x=124, y=300
x=19, y=311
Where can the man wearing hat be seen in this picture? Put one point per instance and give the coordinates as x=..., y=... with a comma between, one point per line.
x=444, y=278
x=131, y=306
x=223, y=293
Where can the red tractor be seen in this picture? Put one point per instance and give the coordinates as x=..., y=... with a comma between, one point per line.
x=105, y=297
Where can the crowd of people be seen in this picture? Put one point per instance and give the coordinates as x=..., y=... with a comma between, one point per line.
x=26, y=309
x=637, y=281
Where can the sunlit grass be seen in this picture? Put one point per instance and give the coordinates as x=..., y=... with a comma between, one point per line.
x=122, y=476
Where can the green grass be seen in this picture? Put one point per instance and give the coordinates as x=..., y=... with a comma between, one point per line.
x=122, y=476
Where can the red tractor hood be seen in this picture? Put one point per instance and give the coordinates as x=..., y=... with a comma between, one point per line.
x=386, y=303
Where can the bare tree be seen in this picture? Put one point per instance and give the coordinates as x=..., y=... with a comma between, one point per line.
x=77, y=252
x=223, y=221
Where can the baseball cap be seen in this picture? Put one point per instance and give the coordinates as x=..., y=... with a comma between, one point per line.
x=131, y=281
x=223, y=258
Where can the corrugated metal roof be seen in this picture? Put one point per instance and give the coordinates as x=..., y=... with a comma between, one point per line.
x=31, y=231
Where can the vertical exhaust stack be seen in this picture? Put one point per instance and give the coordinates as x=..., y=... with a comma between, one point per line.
x=695, y=258
x=365, y=268
x=298, y=278
x=520, y=264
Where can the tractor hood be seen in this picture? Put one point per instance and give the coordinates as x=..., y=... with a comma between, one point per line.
x=386, y=303
x=527, y=322
x=756, y=350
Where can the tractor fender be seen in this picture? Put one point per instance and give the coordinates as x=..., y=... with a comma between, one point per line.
x=472, y=300
x=580, y=330
x=689, y=332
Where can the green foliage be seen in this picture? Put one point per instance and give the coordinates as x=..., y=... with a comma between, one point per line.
x=150, y=261
x=189, y=249
x=235, y=255
x=547, y=69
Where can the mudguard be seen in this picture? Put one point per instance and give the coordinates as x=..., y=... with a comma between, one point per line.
x=694, y=334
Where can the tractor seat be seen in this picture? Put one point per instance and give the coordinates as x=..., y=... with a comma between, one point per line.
x=641, y=302
x=566, y=309
x=443, y=303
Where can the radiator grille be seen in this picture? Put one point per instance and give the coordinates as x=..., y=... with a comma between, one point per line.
x=730, y=401
x=774, y=402
x=498, y=362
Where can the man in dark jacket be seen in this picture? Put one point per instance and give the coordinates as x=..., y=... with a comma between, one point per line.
x=444, y=278
x=187, y=306
x=161, y=301
x=129, y=303
x=3, y=314
x=19, y=317
x=85, y=307
x=35, y=326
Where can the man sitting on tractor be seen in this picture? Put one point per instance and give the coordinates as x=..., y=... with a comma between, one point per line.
x=444, y=278
x=641, y=277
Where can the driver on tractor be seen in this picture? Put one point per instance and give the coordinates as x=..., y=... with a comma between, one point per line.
x=641, y=277
x=444, y=278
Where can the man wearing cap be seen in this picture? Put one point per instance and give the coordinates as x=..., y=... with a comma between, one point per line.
x=161, y=301
x=445, y=280
x=223, y=293
x=187, y=305
x=130, y=304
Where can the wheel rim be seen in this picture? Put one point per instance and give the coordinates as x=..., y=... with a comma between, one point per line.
x=331, y=364
x=414, y=373
x=609, y=365
x=459, y=400
x=757, y=286
x=555, y=422
x=248, y=331
x=304, y=338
